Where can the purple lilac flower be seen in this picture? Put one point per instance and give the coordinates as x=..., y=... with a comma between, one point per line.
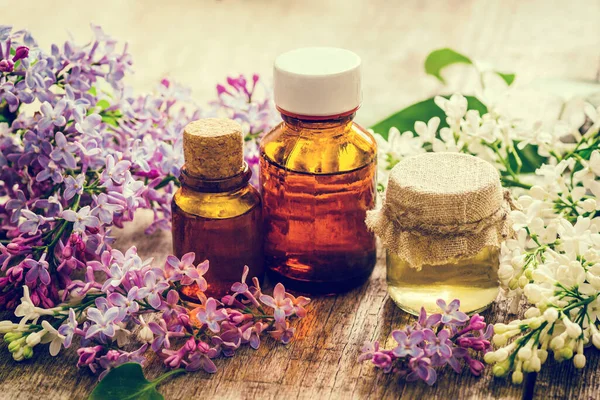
x=88, y=124
x=282, y=305
x=81, y=219
x=432, y=342
x=162, y=335
x=64, y=151
x=103, y=322
x=451, y=314
x=114, y=358
x=200, y=359
x=210, y=316
x=153, y=289
x=105, y=210
x=368, y=350
x=437, y=344
x=87, y=355
x=68, y=329
x=32, y=222
x=37, y=270
x=408, y=344
x=50, y=170
x=185, y=272
x=128, y=304
x=422, y=369
x=53, y=116
x=73, y=186
x=16, y=205
x=283, y=332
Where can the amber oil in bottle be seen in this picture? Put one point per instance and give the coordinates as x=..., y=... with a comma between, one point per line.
x=216, y=213
x=317, y=171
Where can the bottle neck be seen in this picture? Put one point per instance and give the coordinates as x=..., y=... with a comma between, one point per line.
x=318, y=123
x=215, y=185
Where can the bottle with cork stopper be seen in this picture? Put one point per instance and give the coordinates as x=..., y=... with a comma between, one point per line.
x=318, y=174
x=216, y=213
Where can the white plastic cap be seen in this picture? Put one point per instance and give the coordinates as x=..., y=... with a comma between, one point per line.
x=317, y=81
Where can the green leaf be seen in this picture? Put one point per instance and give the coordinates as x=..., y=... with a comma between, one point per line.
x=508, y=78
x=103, y=104
x=530, y=159
x=405, y=119
x=437, y=60
x=127, y=382
x=92, y=91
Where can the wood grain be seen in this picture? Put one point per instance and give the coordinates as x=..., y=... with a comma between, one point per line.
x=199, y=42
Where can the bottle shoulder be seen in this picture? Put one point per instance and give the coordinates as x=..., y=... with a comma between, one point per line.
x=346, y=148
x=223, y=205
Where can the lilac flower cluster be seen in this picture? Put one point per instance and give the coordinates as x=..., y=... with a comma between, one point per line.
x=251, y=104
x=105, y=315
x=79, y=154
x=432, y=342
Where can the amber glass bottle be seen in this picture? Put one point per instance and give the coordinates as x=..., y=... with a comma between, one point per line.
x=216, y=213
x=318, y=175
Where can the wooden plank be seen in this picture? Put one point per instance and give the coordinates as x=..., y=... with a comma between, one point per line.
x=322, y=361
x=531, y=38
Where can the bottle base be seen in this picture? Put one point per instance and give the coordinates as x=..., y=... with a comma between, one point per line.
x=321, y=288
x=472, y=299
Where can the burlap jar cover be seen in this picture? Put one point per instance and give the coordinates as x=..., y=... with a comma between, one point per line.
x=441, y=207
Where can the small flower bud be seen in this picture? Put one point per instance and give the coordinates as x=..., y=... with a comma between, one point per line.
x=579, y=361
x=27, y=352
x=20, y=53
x=34, y=338
x=505, y=272
x=596, y=340
x=566, y=353
x=532, y=312
x=535, y=323
x=12, y=336
x=589, y=205
x=145, y=334
x=501, y=355
x=551, y=314
x=490, y=357
x=573, y=329
x=500, y=328
x=517, y=377
x=500, y=340
x=499, y=371
x=523, y=281
x=535, y=364
x=18, y=355
x=524, y=353
x=557, y=343
x=542, y=355
x=16, y=345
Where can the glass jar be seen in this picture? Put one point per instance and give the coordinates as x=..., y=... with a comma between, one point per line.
x=318, y=175
x=442, y=222
x=216, y=213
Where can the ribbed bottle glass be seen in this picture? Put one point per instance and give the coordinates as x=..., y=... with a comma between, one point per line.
x=318, y=181
x=219, y=220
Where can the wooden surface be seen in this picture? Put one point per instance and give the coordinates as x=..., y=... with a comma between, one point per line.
x=198, y=42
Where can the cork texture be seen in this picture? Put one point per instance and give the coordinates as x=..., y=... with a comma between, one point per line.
x=213, y=148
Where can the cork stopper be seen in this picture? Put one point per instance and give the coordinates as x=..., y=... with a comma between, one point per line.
x=213, y=148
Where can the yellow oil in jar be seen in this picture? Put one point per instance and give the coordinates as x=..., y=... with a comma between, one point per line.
x=474, y=281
